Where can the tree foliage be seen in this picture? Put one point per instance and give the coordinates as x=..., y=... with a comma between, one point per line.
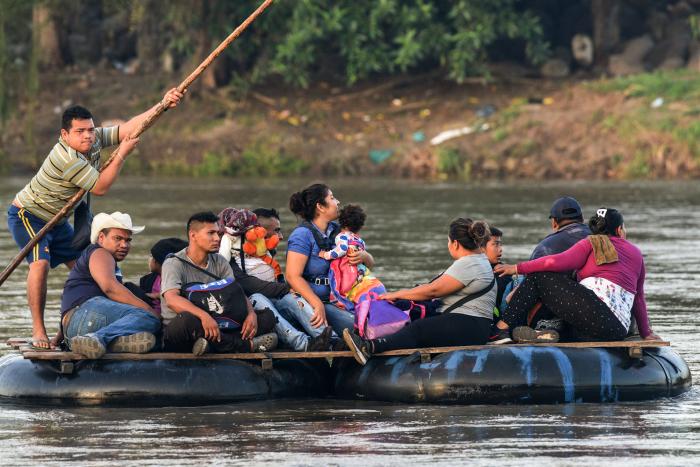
x=366, y=37
x=300, y=40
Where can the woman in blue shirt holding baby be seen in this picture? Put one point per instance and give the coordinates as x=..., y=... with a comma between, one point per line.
x=306, y=271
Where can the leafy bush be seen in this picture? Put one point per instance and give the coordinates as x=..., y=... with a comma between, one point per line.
x=366, y=37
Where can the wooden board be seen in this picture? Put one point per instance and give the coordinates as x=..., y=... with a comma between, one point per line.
x=57, y=355
x=29, y=353
x=15, y=342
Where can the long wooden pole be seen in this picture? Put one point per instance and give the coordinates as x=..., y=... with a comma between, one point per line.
x=161, y=107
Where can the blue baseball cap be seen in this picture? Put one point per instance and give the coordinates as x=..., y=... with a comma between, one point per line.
x=565, y=208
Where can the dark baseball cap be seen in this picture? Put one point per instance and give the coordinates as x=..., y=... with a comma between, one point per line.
x=565, y=208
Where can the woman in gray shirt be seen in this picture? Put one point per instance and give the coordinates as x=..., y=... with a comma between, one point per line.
x=468, y=292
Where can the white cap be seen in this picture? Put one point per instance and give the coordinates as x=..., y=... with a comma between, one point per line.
x=116, y=220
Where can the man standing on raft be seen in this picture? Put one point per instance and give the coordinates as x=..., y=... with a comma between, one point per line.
x=73, y=164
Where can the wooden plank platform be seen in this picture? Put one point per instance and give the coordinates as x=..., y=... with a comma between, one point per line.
x=29, y=353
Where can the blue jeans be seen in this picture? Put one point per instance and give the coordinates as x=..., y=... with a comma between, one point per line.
x=287, y=333
x=288, y=310
x=298, y=311
x=106, y=320
x=339, y=319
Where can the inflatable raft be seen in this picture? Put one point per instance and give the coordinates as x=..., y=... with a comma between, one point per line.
x=157, y=382
x=558, y=373
x=518, y=374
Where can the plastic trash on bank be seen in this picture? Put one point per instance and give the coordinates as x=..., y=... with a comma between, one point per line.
x=456, y=133
x=378, y=156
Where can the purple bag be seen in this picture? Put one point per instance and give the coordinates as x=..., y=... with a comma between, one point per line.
x=378, y=318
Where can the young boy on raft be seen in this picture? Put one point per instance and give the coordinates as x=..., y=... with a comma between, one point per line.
x=150, y=283
x=506, y=284
x=350, y=284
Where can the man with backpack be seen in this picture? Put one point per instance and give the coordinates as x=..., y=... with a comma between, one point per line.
x=203, y=306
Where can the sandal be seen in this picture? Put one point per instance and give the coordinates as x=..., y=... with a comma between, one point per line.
x=35, y=347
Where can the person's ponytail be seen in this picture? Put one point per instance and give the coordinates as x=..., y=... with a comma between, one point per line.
x=472, y=235
x=606, y=221
x=480, y=233
x=296, y=204
x=303, y=203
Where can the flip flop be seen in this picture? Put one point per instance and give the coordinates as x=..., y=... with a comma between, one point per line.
x=33, y=345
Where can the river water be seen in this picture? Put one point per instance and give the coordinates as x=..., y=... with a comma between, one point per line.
x=406, y=232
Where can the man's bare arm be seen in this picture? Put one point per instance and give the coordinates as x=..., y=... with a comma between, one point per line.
x=109, y=174
x=172, y=97
x=102, y=271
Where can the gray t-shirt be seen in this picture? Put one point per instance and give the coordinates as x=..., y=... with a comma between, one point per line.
x=176, y=274
x=475, y=272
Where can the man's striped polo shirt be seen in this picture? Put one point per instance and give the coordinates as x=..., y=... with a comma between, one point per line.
x=63, y=173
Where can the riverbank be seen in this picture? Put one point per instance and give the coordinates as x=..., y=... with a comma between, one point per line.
x=642, y=126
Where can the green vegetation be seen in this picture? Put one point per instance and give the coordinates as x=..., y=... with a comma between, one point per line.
x=671, y=85
x=616, y=159
x=525, y=148
x=453, y=163
x=690, y=135
x=389, y=36
x=264, y=158
x=261, y=158
x=499, y=134
x=639, y=167
x=510, y=113
x=694, y=21
x=646, y=129
x=295, y=39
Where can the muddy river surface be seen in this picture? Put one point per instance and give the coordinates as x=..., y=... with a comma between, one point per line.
x=406, y=232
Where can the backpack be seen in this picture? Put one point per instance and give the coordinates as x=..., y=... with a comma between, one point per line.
x=378, y=318
x=223, y=299
x=419, y=309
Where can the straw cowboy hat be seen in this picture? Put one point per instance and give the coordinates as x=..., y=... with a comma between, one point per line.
x=116, y=220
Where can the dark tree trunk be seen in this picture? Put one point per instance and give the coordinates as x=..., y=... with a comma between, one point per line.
x=149, y=45
x=204, y=46
x=45, y=37
x=606, y=28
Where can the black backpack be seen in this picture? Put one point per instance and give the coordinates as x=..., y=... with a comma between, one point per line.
x=223, y=299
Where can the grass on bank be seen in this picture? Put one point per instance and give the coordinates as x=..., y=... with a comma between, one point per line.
x=676, y=116
x=671, y=121
x=671, y=128
x=677, y=85
x=262, y=158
